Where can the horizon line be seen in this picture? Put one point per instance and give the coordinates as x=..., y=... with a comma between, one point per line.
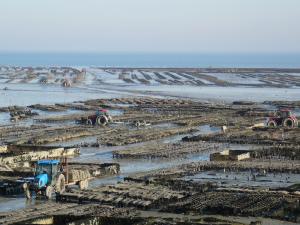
x=148, y=53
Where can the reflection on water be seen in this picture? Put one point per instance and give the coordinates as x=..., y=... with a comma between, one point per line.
x=29, y=94
x=19, y=202
x=225, y=93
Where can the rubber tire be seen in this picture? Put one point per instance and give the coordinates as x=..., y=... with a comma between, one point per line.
x=102, y=120
x=272, y=123
x=48, y=192
x=60, y=185
x=288, y=122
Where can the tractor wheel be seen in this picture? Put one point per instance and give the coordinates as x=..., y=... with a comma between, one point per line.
x=49, y=191
x=89, y=122
x=272, y=123
x=102, y=120
x=288, y=122
x=26, y=191
x=60, y=185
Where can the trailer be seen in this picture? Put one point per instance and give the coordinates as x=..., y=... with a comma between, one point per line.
x=53, y=176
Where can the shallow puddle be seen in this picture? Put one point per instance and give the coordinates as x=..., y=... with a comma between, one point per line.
x=130, y=166
x=74, y=142
x=5, y=121
x=246, y=178
x=202, y=130
x=19, y=202
x=28, y=94
x=4, y=118
x=165, y=125
x=207, y=129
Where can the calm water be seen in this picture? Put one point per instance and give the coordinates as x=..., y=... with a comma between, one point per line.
x=30, y=94
x=151, y=60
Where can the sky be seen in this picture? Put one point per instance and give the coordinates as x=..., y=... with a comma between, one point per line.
x=155, y=26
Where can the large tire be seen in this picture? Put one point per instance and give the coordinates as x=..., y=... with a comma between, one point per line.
x=60, y=185
x=49, y=191
x=102, y=120
x=272, y=123
x=288, y=122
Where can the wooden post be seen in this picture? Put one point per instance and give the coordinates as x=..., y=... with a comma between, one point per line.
x=67, y=170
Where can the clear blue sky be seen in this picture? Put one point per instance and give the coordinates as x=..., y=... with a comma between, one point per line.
x=200, y=26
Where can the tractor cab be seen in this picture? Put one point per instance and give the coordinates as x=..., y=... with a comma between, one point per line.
x=283, y=113
x=101, y=112
x=45, y=172
x=49, y=177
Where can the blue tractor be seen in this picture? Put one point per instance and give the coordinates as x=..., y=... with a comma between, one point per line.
x=49, y=178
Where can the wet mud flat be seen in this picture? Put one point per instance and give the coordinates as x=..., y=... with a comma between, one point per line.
x=69, y=76
x=263, y=187
x=188, y=200
x=105, y=214
x=173, y=150
x=42, y=133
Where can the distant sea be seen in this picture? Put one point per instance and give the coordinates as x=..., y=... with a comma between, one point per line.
x=152, y=60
